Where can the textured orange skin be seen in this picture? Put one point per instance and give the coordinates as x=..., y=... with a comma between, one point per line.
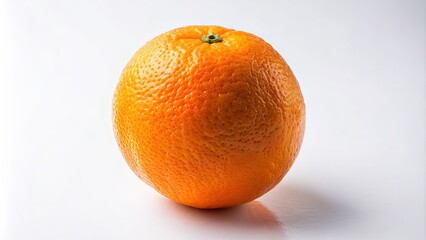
x=209, y=125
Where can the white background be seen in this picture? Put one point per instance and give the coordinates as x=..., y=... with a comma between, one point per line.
x=360, y=173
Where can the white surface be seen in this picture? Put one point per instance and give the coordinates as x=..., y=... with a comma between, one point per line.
x=361, y=170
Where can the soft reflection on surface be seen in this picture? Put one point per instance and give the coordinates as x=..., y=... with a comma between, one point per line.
x=273, y=216
x=307, y=209
x=253, y=215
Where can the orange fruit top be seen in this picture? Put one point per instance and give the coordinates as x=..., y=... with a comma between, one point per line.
x=208, y=116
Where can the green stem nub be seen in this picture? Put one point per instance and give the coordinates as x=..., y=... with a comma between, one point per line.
x=211, y=38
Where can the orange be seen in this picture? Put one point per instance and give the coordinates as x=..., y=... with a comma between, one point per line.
x=208, y=116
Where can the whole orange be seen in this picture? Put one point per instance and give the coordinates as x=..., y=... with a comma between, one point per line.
x=208, y=116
